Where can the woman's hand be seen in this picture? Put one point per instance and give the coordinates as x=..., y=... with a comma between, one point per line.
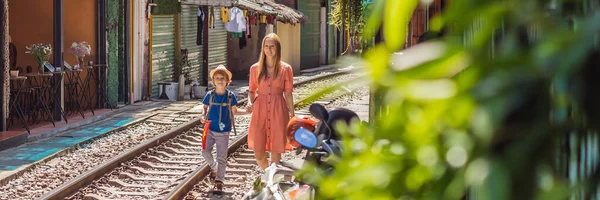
x=249, y=107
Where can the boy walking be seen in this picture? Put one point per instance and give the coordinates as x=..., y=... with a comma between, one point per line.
x=219, y=108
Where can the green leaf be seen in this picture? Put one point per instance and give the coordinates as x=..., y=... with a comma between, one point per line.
x=397, y=14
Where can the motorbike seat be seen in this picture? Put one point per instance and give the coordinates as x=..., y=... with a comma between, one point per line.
x=337, y=114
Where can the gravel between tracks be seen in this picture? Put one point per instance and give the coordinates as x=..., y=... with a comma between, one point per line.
x=51, y=174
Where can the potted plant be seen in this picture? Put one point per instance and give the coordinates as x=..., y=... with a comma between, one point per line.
x=80, y=50
x=40, y=53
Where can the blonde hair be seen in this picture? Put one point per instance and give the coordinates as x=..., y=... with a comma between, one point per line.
x=262, y=65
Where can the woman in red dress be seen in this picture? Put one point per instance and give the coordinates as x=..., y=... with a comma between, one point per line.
x=271, y=103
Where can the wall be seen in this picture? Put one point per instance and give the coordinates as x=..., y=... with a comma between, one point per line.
x=31, y=21
x=240, y=60
x=290, y=51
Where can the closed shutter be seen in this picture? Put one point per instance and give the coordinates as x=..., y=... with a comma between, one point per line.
x=163, y=50
x=189, y=31
x=217, y=43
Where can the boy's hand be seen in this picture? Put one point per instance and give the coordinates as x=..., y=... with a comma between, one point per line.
x=202, y=120
x=249, y=108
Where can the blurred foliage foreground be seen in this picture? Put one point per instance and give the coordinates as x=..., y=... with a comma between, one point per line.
x=504, y=105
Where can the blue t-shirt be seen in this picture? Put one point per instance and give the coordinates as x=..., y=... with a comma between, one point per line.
x=213, y=114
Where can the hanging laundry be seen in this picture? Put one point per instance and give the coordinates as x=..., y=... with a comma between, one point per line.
x=269, y=28
x=263, y=19
x=243, y=41
x=237, y=35
x=225, y=14
x=211, y=17
x=199, y=32
x=237, y=22
x=245, y=14
x=248, y=29
x=271, y=19
x=253, y=20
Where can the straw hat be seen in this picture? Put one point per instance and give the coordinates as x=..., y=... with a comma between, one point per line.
x=220, y=68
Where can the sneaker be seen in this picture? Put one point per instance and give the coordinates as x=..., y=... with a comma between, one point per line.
x=218, y=187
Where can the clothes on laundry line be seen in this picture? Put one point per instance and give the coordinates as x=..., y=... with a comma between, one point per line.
x=225, y=14
x=253, y=19
x=263, y=19
x=199, y=32
x=248, y=29
x=243, y=41
x=236, y=35
x=270, y=19
x=211, y=17
x=269, y=28
x=237, y=22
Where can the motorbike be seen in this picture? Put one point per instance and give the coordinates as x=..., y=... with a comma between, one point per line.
x=320, y=140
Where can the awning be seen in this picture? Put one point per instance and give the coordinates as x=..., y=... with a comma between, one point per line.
x=286, y=14
x=218, y=3
x=252, y=6
x=283, y=13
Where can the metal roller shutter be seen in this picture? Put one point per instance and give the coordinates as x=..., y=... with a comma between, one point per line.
x=217, y=43
x=163, y=50
x=189, y=30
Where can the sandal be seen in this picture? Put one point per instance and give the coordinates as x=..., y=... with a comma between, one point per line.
x=213, y=174
x=218, y=187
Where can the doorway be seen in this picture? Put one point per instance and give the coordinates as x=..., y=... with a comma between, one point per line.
x=323, y=38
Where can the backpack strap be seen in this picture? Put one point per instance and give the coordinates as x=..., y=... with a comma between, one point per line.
x=231, y=118
x=210, y=103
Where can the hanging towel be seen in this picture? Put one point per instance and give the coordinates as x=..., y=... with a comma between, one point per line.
x=269, y=28
x=199, y=32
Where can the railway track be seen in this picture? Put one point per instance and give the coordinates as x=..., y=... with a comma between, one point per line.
x=152, y=169
x=198, y=185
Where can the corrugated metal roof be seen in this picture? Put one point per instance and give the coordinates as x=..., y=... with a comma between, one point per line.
x=220, y=3
x=252, y=5
x=267, y=7
x=284, y=13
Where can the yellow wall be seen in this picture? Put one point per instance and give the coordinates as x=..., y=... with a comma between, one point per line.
x=31, y=22
x=290, y=44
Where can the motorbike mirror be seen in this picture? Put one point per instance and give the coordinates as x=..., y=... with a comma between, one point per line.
x=319, y=111
x=305, y=138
